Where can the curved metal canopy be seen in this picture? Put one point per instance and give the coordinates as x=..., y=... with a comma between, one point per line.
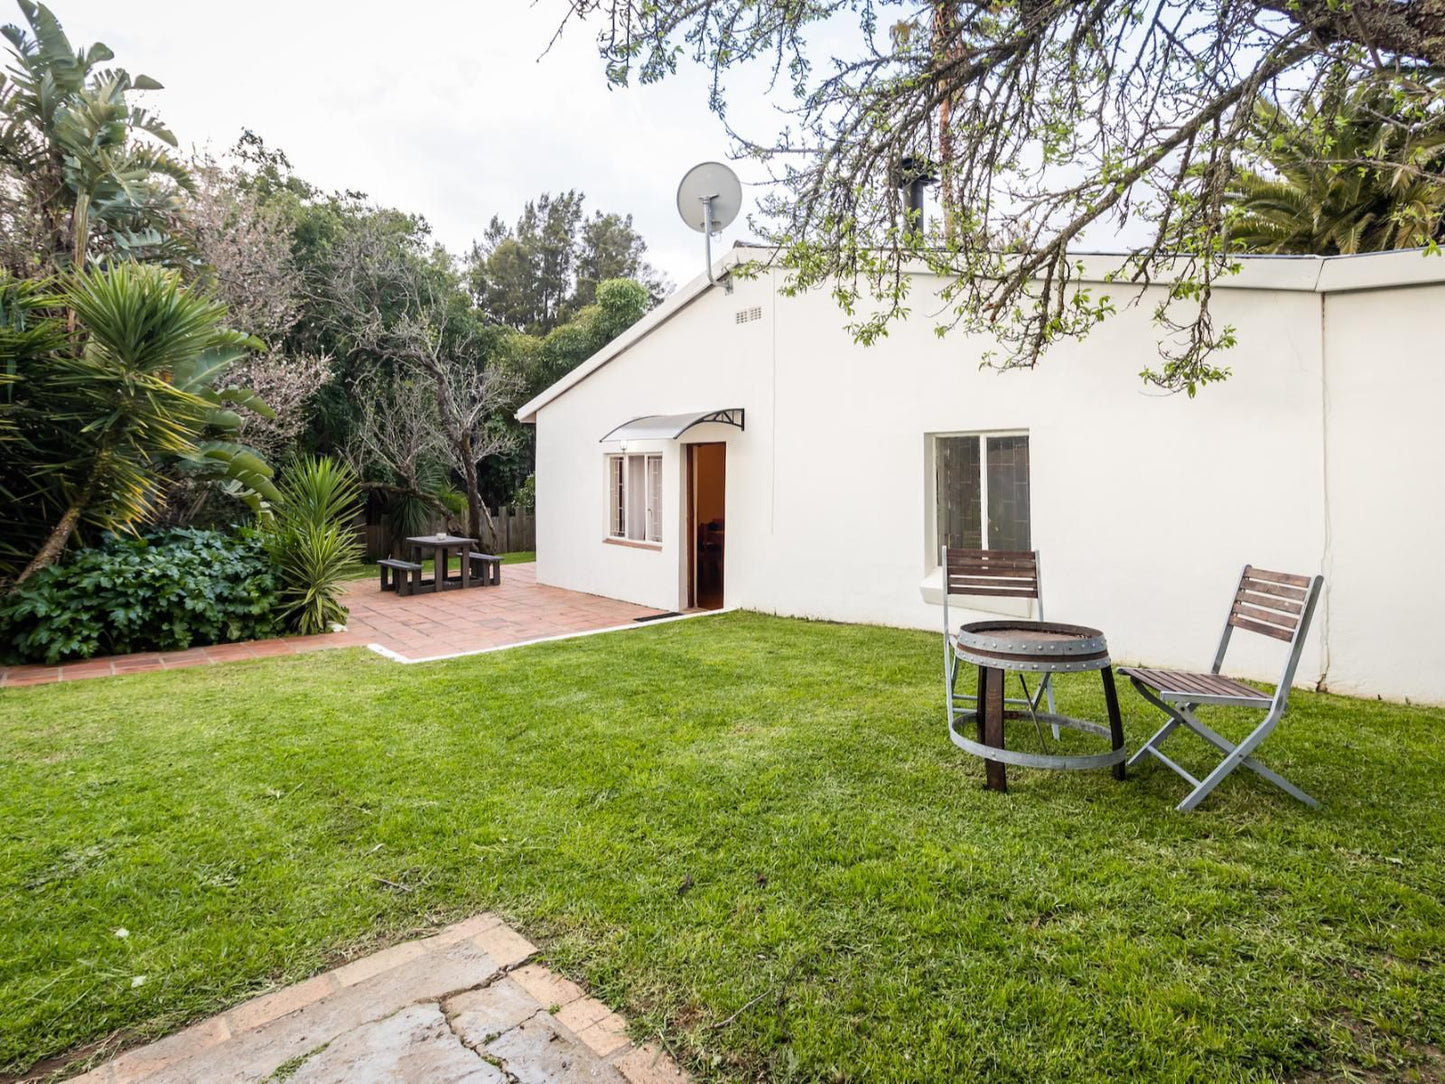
x=672, y=426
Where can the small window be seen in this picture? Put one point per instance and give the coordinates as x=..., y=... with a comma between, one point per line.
x=981, y=486
x=634, y=497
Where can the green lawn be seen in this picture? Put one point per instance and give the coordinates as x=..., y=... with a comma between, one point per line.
x=866, y=910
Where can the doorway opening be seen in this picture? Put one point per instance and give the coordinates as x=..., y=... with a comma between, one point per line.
x=707, y=523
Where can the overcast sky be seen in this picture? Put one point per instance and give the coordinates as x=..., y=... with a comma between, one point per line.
x=445, y=108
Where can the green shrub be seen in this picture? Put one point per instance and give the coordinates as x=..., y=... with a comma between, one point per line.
x=163, y=592
x=312, y=543
x=526, y=496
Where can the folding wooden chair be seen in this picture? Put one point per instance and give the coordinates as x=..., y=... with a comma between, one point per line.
x=997, y=574
x=1274, y=604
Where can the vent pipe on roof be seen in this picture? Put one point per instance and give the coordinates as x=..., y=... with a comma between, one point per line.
x=914, y=175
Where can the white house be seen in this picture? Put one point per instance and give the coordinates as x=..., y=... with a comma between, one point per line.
x=739, y=448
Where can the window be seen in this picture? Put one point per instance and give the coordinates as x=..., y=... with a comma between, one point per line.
x=634, y=497
x=982, y=491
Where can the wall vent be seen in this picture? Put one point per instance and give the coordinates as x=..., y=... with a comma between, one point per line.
x=747, y=316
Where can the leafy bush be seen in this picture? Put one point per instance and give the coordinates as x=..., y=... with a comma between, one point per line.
x=312, y=543
x=164, y=592
x=526, y=498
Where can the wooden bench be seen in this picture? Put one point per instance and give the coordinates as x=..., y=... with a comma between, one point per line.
x=404, y=576
x=486, y=569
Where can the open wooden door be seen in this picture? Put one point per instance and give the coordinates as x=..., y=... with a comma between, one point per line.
x=707, y=524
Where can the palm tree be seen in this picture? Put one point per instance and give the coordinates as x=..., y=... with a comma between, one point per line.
x=91, y=162
x=135, y=387
x=1360, y=169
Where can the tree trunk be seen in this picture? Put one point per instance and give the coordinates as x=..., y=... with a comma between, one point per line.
x=80, y=225
x=475, y=511
x=944, y=25
x=54, y=545
x=479, y=520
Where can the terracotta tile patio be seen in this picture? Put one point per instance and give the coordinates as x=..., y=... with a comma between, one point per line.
x=414, y=629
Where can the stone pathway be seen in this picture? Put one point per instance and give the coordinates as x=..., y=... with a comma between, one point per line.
x=517, y=611
x=462, y=1007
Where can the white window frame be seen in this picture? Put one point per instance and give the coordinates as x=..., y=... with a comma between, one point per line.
x=982, y=436
x=620, y=498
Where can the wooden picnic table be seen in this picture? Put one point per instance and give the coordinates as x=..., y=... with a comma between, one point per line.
x=441, y=547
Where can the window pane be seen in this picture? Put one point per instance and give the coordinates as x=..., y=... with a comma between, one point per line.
x=636, y=497
x=1008, y=493
x=960, y=502
x=617, y=510
x=654, y=498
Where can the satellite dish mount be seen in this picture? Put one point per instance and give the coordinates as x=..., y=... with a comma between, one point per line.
x=708, y=199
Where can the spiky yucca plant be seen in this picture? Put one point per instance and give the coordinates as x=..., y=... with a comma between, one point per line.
x=97, y=412
x=312, y=542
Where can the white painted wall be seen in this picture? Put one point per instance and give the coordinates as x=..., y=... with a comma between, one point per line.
x=702, y=360
x=1385, y=554
x=1319, y=454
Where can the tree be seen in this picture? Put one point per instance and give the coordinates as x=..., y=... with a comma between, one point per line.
x=398, y=449
x=1346, y=175
x=1046, y=123
x=536, y=276
x=608, y=247
x=243, y=243
x=93, y=167
x=538, y=362
x=407, y=309
x=100, y=411
x=523, y=277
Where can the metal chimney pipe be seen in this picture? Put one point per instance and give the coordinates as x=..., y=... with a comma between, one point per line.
x=914, y=175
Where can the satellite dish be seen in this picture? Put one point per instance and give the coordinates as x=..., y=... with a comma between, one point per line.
x=709, y=197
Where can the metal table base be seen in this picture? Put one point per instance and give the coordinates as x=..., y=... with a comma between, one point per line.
x=998, y=646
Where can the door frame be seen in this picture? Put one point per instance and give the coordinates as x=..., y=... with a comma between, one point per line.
x=692, y=523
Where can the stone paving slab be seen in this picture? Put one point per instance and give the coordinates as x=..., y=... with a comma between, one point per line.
x=538, y=1051
x=414, y=1044
x=464, y=1006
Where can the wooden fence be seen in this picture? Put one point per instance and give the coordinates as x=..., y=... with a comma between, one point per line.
x=516, y=531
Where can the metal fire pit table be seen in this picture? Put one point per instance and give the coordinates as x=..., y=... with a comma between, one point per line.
x=1033, y=647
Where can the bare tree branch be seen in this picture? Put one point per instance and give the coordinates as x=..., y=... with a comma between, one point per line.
x=1053, y=124
x=392, y=300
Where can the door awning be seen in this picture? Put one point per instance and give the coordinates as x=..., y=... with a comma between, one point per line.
x=672, y=426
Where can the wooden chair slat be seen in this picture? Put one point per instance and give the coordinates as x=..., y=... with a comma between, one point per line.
x=1010, y=580
x=1269, y=617
x=992, y=573
x=998, y=592
x=1270, y=602
x=1017, y=568
x=1264, y=630
x=1252, y=573
x=1181, y=682
x=1263, y=587
x=1187, y=682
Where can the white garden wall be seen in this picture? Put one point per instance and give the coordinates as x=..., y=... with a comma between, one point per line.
x=1320, y=453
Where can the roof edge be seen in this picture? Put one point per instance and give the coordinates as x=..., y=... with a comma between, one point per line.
x=1306, y=274
x=678, y=300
